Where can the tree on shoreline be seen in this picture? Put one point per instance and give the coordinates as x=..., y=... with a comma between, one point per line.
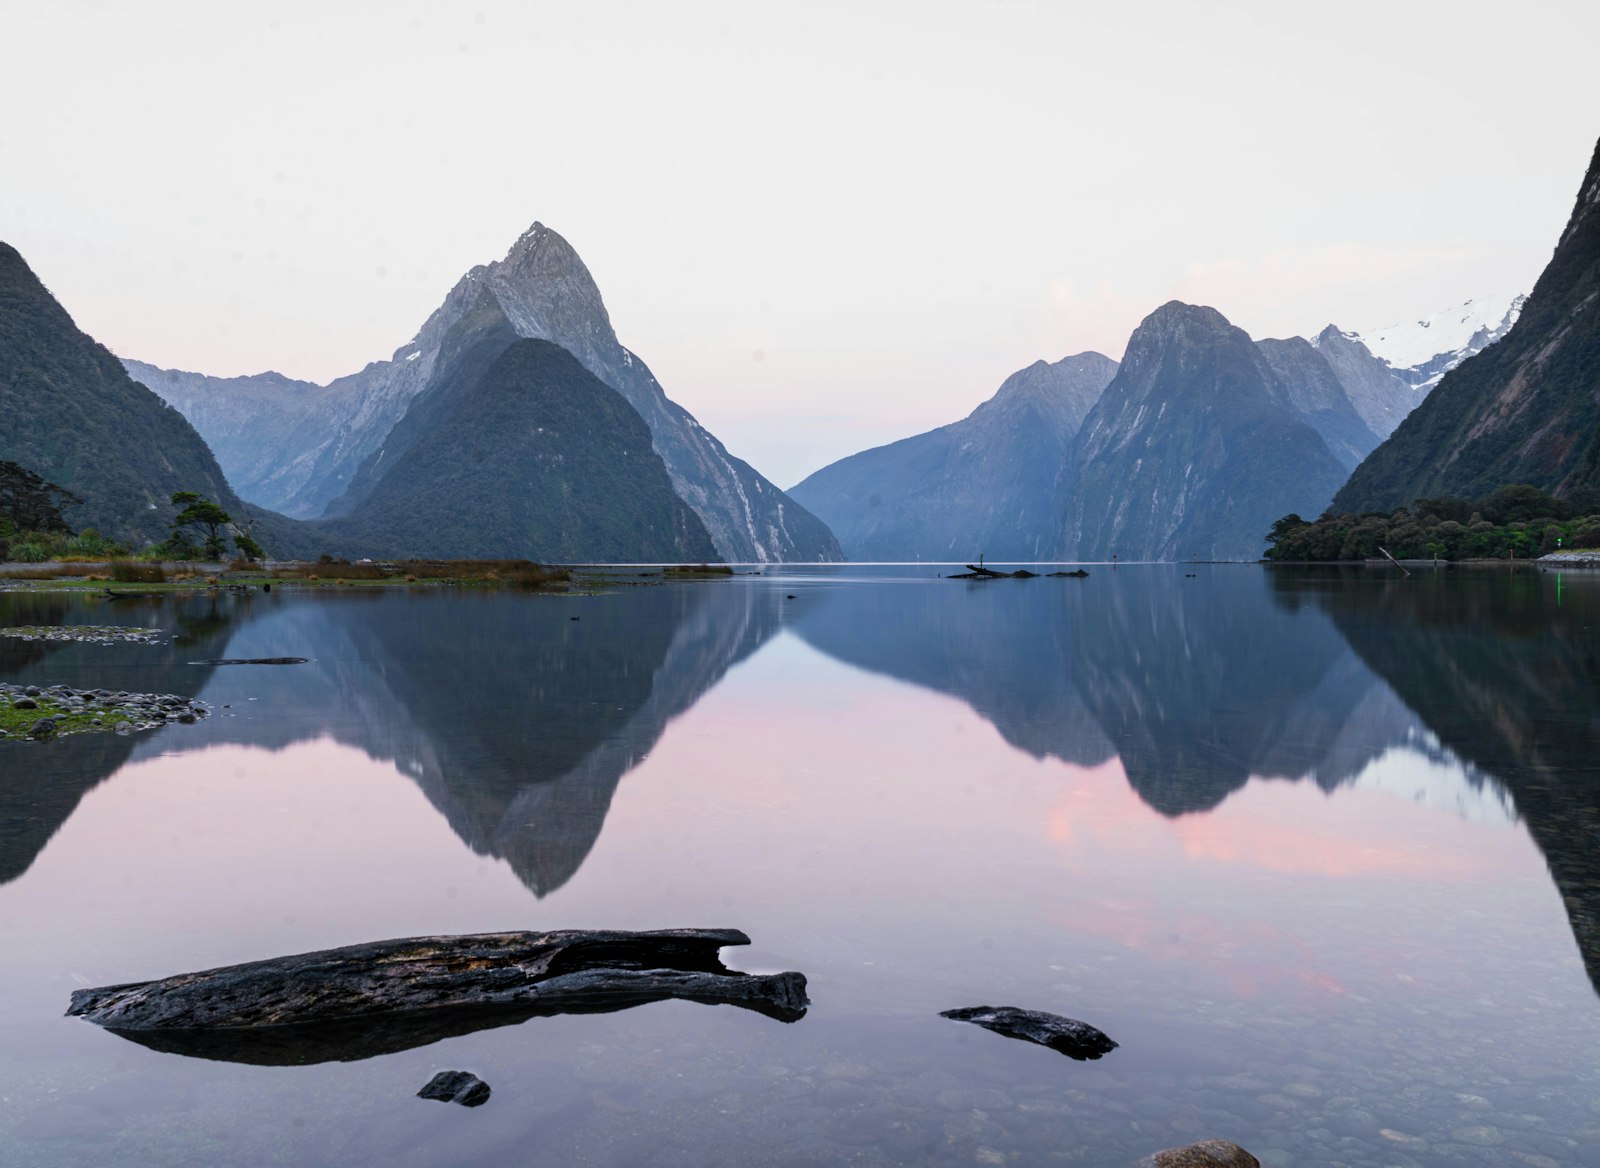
x=214, y=523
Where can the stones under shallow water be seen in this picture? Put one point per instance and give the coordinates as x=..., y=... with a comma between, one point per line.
x=1206, y=1154
x=1068, y=1036
x=460, y=1087
x=362, y=1000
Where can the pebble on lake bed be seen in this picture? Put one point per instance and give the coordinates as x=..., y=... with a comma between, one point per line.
x=1206, y=1154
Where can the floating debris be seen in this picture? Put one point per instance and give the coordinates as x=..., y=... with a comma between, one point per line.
x=1068, y=1036
x=385, y=996
x=257, y=660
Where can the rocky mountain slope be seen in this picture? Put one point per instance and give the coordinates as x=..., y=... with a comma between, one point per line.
x=1524, y=410
x=249, y=422
x=983, y=485
x=546, y=293
x=73, y=415
x=518, y=450
x=1196, y=447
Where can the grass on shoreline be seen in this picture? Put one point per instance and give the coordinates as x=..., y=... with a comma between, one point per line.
x=138, y=579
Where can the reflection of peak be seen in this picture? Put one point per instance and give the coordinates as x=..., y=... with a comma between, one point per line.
x=1196, y=686
x=520, y=749
x=1508, y=678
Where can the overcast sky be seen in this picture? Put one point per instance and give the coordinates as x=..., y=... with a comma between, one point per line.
x=825, y=226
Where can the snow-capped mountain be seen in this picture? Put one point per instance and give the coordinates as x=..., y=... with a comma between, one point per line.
x=1422, y=351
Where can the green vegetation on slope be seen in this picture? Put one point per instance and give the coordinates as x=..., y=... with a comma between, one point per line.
x=525, y=453
x=74, y=416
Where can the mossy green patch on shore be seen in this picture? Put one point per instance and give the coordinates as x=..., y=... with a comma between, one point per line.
x=41, y=714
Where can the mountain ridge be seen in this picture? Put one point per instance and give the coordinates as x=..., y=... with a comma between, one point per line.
x=1524, y=410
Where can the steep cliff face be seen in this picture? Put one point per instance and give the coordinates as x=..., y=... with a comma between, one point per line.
x=1524, y=410
x=1309, y=386
x=546, y=293
x=983, y=485
x=73, y=415
x=1378, y=394
x=247, y=421
x=1193, y=451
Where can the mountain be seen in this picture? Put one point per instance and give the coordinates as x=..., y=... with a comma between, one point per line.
x=518, y=450
x=544, y=290
x=980, y=485
x=1524, y=410
x=1422, y=351
x=250, y=421
x=1381, y=396
x=1196, y=447
x=1309, y=385
x=73, y=415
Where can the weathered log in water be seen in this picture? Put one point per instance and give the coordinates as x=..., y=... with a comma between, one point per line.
x=362, y=1000
x=1068, y=1036
x=252, y=661
x=974, y=572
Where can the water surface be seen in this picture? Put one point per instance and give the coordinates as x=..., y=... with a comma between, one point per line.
x=1318, y=849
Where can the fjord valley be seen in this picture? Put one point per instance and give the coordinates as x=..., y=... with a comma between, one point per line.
x=1155, y=729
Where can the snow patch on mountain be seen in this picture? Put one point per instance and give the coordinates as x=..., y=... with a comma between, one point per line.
x=1454, y=334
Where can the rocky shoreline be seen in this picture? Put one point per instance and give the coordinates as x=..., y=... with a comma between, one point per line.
x=34, y=713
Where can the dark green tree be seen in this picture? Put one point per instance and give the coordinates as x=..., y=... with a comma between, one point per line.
x=199, y=512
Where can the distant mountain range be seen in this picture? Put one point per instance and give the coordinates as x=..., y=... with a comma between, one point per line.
x=313, y=451
x=1525, y=410
x=1190, y=449
x=983, y=485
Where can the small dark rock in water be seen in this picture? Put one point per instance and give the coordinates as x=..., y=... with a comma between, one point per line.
x=1078, y=574
x=252, y=661
x=1023, y=574
x=456, y=1087
x=1068, y=1036
x=789, y=596
x=1206, y=1154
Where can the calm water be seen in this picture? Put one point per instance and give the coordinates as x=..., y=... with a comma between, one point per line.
x=1321, y=851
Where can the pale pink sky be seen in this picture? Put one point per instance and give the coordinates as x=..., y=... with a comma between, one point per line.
x=824, y=225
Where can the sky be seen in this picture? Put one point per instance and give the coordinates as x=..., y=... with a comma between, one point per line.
x=824, y=225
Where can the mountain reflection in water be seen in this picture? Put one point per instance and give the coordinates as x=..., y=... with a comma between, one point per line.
x=1504, y=667
x=518, y=721
x=515, y=719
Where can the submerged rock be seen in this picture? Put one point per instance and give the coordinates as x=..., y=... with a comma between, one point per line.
x=1068, y=1036
x=1206, y=1154
x=456, y=1087
x=377, y=998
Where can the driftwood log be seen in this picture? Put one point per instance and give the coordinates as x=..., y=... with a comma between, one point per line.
x=377, y=998
x=1068, y=1036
